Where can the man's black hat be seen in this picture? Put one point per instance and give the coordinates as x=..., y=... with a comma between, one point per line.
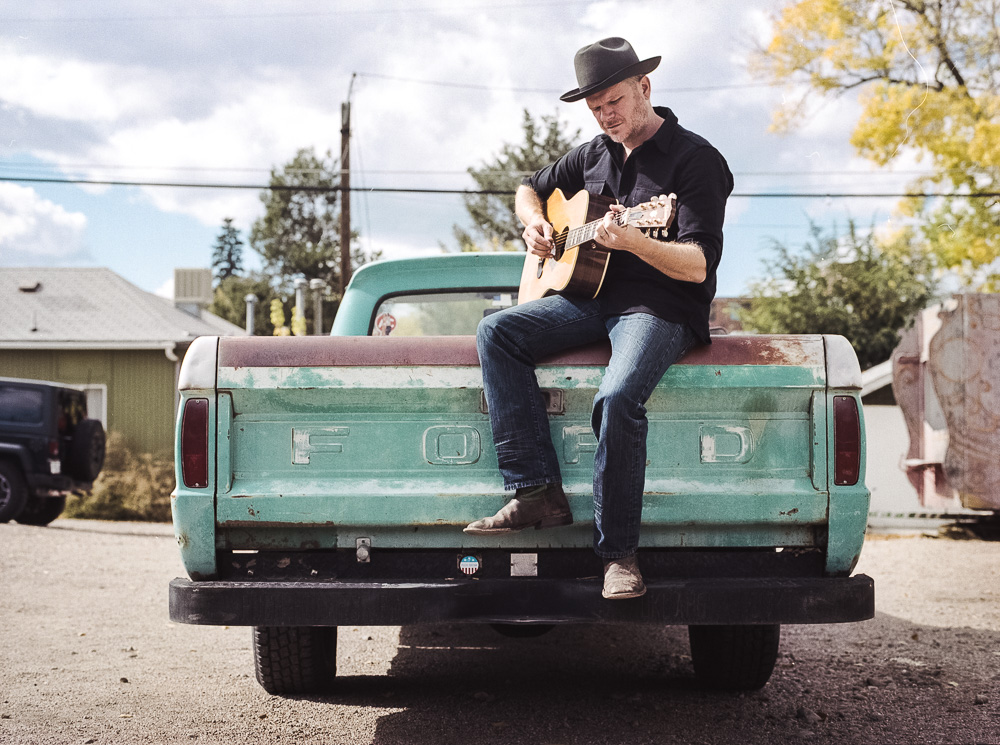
x=605, y=63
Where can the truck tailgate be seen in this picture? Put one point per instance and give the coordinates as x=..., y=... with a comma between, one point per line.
x=321, y=441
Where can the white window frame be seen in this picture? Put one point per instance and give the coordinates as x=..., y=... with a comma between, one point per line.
x=102, y=415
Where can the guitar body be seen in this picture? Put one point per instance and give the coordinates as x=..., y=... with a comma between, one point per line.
x=577, y=270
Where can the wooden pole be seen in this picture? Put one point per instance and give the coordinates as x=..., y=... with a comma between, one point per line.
x=345, y=196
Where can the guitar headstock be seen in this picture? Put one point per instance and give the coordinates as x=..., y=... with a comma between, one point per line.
x=658, y=212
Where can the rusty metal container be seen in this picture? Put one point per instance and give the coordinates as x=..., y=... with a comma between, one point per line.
x=946, y=379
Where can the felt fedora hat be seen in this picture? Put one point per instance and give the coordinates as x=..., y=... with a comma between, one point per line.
x=605, y=63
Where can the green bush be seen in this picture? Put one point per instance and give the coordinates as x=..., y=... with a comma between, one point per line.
x=132, y=486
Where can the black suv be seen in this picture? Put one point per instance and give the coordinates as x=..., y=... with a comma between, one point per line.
x=48, y=449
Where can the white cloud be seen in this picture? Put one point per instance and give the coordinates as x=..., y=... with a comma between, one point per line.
x=166, y=290
x=67, y=88
x=31, y=226
x=401, y=250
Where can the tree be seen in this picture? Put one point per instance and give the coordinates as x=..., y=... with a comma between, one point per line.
x=929, y=76
x=495, y=227
x=227, y=255
x=299, y=233
x=850, y=286
x=229, y=301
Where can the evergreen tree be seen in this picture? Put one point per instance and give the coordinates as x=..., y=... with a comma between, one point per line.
x=227, y=255
x=299, y=233
x=495, y=226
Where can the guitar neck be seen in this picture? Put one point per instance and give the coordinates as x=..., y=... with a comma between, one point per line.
x=588, y=232
x=582, y=234
x=656, y=213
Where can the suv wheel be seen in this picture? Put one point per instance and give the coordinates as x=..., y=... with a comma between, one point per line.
x=86, y=451
x=13, y=491
x=41, y=511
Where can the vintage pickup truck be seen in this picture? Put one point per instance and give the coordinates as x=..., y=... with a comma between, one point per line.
x=325, y=481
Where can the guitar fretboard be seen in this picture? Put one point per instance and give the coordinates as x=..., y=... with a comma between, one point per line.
x=581, y=234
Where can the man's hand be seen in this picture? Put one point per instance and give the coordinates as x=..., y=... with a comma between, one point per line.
x=538, y=237
x=614, y=236
x=683, y=261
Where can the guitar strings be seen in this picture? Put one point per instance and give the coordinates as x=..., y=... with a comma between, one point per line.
x=561, y=238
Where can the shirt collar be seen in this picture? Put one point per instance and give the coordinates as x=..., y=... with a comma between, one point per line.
x=662, y=138
x=665, y=134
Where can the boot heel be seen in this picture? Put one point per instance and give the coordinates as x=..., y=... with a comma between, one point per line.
x=554, y=522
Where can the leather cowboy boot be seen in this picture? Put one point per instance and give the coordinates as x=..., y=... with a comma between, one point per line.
x=622, y=579
x=534, y=506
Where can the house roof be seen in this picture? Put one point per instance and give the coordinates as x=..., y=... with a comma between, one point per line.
x=88, y=308
x=876, y=377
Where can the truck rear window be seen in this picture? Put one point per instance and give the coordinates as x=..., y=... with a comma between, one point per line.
x=21, y=405
x=438, y=314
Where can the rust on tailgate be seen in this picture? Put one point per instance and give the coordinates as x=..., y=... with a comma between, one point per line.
x=457, y=351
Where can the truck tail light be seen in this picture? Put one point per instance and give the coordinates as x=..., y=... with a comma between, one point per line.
x=194, y=443
x=54, y=448
x=846, y=441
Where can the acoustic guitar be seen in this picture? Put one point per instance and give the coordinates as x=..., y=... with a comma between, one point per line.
x=578, y=264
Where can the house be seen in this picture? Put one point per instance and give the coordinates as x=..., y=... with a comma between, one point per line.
x=91, y=328
x=725, y=314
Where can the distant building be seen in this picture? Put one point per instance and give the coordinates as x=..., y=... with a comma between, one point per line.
x=725, y=314
x=93, y=329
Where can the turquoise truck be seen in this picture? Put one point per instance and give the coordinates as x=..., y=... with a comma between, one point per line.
x=325, y=481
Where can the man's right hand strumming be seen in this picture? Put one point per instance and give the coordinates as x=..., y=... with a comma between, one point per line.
x=538, y=237
x=537, y=231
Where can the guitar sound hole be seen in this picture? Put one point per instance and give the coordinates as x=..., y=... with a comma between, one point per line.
x=560, y=241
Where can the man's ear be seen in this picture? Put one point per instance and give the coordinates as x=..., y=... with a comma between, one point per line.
x=646, y=87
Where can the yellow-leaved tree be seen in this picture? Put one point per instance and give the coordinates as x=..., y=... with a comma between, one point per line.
x=928, y=75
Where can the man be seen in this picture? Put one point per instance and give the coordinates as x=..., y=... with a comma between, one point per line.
x=653, y=305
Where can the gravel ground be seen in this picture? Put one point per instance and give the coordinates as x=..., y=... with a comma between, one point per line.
x=89, y=656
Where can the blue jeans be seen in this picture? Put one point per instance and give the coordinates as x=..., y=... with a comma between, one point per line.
x=642, y=348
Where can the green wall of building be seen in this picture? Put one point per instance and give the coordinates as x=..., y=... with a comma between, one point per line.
x=141, y=386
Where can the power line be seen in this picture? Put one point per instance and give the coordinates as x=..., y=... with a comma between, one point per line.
x=43, y=167
x=337, y=11
x=471, y=192
x=473, y=86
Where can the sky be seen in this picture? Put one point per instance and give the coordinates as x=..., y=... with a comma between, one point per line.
x=222, y=91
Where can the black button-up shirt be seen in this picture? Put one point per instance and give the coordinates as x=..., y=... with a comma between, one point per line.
x=673, y=160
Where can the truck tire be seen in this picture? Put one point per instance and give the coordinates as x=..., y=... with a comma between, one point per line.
x=41, y=511
x=734, y=658
x=295, y=659
x=13, y=491
x=86, y=451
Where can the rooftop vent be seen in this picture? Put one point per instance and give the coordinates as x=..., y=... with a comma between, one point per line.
x=192, y=290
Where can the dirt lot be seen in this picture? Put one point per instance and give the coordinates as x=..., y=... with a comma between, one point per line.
x=89, y=656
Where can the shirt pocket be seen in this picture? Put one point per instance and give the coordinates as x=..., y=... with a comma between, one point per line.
x=599, y=186
x=642, y=194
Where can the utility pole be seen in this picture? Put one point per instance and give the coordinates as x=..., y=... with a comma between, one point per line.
x=345, y=190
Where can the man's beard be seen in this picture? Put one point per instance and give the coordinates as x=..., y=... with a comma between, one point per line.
x=633, y=122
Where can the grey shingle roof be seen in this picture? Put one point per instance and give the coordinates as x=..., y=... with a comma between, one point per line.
x=92, y=307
